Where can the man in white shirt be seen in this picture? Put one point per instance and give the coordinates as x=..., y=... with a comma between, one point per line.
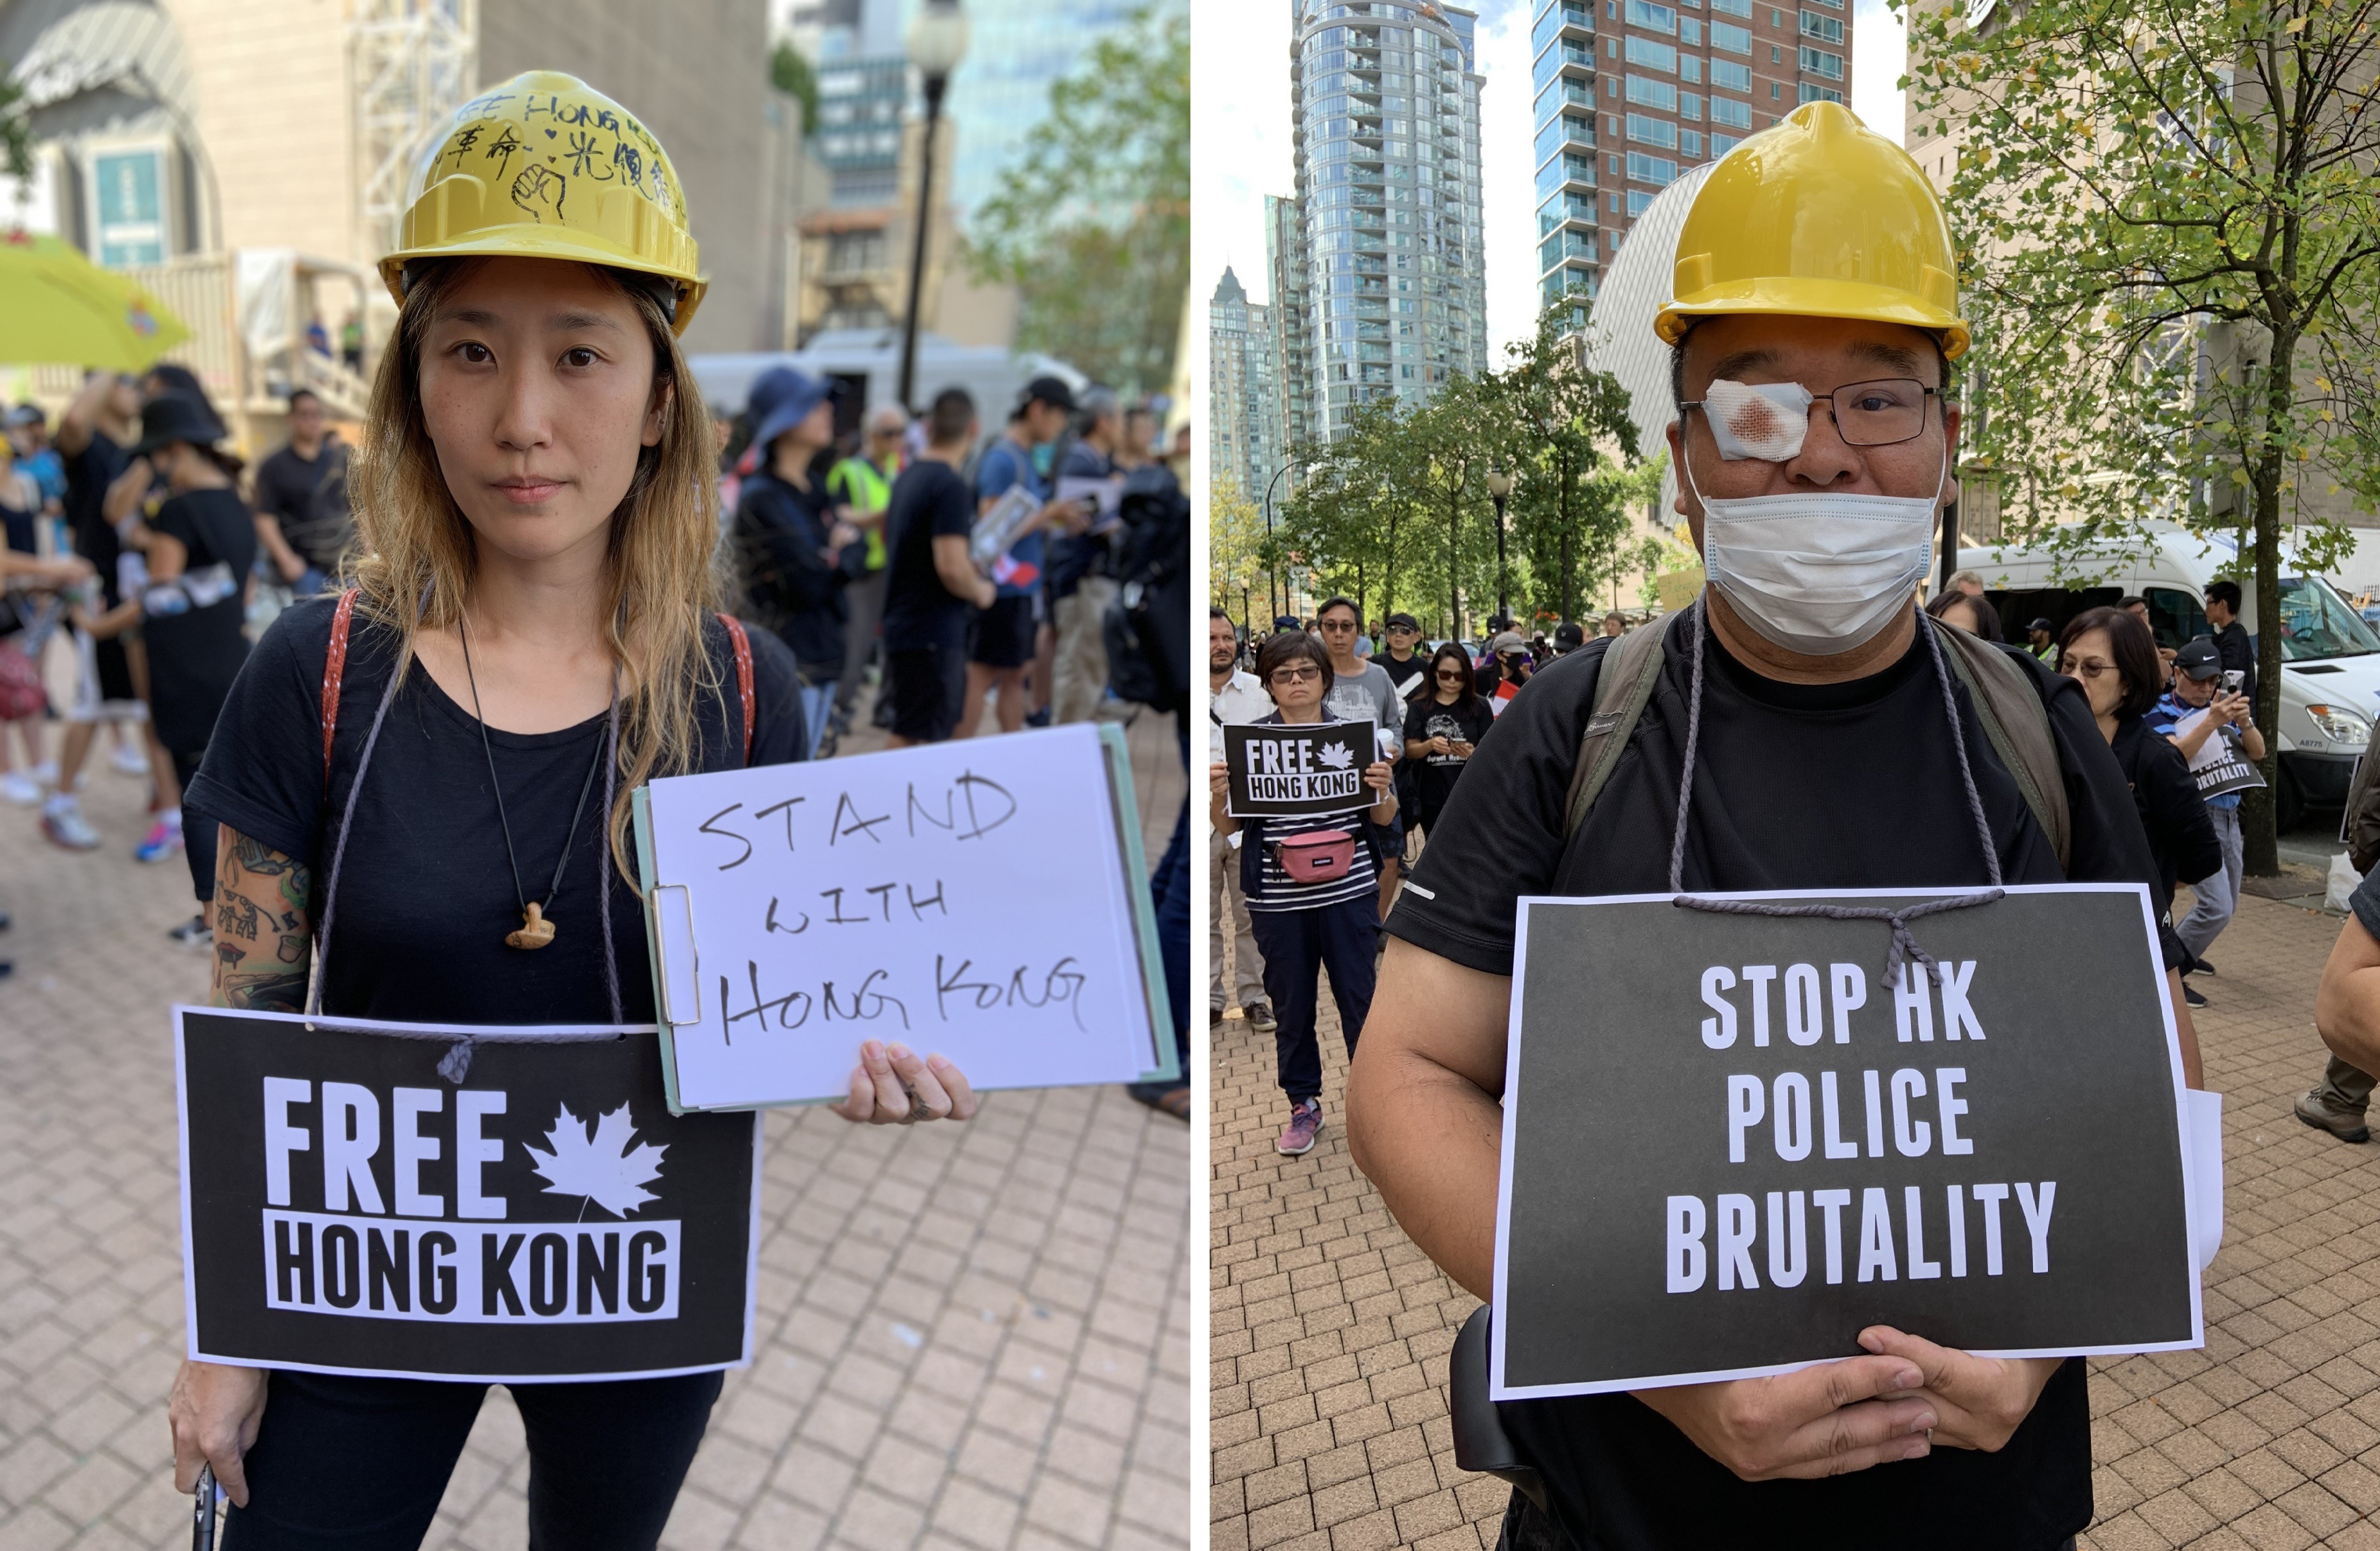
x=1232, y=695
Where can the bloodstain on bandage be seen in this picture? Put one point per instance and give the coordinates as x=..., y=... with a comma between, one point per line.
x=1757, y=420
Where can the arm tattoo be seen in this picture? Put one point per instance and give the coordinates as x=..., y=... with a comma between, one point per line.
x=263, y=927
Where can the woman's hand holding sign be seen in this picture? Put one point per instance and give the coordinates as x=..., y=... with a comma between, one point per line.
x=1981, y=1401
x=1829, y=1419
x=893, y=1085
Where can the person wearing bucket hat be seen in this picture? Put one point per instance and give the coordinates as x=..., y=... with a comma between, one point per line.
x=1831, y=745
x=404, y=773
x=788, y=538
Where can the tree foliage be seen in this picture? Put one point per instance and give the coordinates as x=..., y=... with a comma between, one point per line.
x=1396, y=512
x=16, y=134
x=1236, y=567
x=2172, y=237
x=791, y=74
x=1091, y=222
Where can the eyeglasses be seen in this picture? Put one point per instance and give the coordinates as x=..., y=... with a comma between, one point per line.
x=1403, y=630
x=1296, y=676
x=1873, y=414
x=2091, y=669
x=1450, y=676
x=1335, y=626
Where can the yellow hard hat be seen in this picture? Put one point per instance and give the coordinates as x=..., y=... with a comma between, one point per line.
x=544, y=166
x=1818, y=217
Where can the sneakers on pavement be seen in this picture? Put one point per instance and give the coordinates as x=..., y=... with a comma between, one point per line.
x=2204, y=968
x=1296, y=1138
x=1259, y=1017
x=164, y=840
x=194, y=934
x=2315, y=1108
x=129, y=760
x=64, y=824
x=2191, y=996
x=21, y=789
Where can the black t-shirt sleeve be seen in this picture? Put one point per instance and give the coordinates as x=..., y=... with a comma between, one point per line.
x=263, y=769
x=953, y=509
x=1502, y=832
x=2106, y=843
x=175, y=520
x=778, y=733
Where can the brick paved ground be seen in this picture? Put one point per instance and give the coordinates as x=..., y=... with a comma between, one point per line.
x=969, y=1337
x=1330, y=1330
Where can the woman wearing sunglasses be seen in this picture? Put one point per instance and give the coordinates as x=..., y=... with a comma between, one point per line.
x=1327, y=917
x=2111, y=654
x=1441, y=731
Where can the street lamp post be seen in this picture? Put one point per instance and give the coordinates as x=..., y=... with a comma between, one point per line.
x=937, y=41
x=1272, y=579
x=1499, y=486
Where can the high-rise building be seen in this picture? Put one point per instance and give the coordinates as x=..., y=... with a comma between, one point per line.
x=1385, y=120
x=1668, y=87
x=1243, y=397
x=1285, y=261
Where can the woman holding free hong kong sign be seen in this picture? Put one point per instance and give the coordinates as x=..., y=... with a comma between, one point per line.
x=1816, y=319
x=1304, y=924
x=534, y=609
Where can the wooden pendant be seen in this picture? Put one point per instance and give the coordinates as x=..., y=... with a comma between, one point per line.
x=535, y=931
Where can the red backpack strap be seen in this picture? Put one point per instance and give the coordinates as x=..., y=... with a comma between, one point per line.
x=743, y=645
x=335, y=669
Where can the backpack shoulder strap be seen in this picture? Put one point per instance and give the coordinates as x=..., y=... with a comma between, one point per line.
x=335, y=670
x=2008, y=704
x=1624, y=685
x=742, y=644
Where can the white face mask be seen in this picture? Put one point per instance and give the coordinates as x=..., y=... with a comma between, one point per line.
x=1818, y=573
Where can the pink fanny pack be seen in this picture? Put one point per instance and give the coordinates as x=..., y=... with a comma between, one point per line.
x=1317, y=857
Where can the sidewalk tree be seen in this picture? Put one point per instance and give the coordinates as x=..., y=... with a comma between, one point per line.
x=1091, y=221
x=1236, y=570
x=791, y=74
x=2170, y=227
x=1350, y=519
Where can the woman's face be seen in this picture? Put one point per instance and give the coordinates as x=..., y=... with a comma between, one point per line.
x=1297, y=688
x=1446, y=677
x=537, y=388
x=2091, y=662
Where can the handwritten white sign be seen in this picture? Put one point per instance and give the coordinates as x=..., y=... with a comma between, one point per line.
x=987, y=900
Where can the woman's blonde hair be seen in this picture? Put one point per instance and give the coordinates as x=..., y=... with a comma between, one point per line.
x=660, y=587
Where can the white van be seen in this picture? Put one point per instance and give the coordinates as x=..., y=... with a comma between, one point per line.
x=2330, y=673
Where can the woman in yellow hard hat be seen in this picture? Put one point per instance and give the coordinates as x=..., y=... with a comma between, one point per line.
x=534, y=610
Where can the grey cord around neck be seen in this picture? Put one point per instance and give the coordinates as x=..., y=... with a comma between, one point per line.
x=1904, y=946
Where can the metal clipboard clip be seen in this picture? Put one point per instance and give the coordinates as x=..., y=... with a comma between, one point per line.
x=661, y=954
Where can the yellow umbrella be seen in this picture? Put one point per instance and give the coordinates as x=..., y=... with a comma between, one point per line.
x=58, y=308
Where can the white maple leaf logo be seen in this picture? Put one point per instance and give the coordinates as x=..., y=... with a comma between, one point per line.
x=597, y=1162
x=1338, y=756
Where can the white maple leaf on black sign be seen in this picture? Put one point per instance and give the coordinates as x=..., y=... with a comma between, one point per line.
x=1336, y=755
x=598, y=1161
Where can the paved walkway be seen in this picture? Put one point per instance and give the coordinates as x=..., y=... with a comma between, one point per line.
x=969, y=1337
x=1330, y=1330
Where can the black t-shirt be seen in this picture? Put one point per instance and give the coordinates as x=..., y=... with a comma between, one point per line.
x=1400, y=674
x=88, y=477
x=308, y=496
x=929, y=501
x=425, y=894
x=1804, y=787
x=1434, y=775
x=196, y=652
x=2232, y=645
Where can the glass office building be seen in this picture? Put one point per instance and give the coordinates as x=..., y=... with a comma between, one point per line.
x=1385, y=120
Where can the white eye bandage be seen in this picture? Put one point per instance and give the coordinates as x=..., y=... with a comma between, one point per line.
x=1757, y=420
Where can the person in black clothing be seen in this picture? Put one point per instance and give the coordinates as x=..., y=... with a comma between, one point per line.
x=534, y=618
x=2231, y=640
x=931, y=585
x=2112, y=655
x=1443, y=727
x=788, y=536
x=1826, y=760
x=301, y=501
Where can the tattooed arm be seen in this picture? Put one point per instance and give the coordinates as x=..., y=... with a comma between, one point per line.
x=262, y=930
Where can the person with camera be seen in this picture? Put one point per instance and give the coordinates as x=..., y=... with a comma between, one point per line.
x=2201, y=683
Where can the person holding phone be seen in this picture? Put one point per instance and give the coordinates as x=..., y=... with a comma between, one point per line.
x=1442, y=731
x=2202, y=684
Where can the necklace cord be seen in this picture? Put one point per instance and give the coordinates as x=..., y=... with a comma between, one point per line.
x=488, y=749
x=1904, y=947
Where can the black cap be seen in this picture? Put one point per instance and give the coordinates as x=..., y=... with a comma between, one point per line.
x=1568, y=637
x=2199, y=659
x=1406, y=620
x=2039, y=625
x=174, y=417
x=1050, y=390
x=1286, y=622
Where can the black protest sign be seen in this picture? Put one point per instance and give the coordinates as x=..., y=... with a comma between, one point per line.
x=2221, y=765
x=1277, y=772
x=1731, y=1144
x=346, y=1209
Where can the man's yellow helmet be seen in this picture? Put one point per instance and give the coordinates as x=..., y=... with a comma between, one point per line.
x=544, y=166
x=1818, y=216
